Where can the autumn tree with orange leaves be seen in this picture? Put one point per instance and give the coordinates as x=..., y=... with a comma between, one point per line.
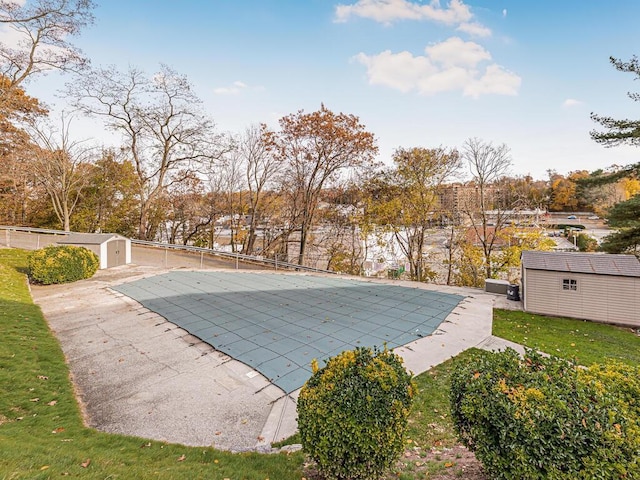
x=315, y=148
x=16, y=175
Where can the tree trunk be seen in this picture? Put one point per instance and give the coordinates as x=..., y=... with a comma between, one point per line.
x=251, y=236
x=304, y=232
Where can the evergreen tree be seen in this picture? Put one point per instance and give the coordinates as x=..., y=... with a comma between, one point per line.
x=625, y=215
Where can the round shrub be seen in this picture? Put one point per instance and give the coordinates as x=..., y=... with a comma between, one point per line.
x=62, y=264
x=352, y=413
x=545, y=418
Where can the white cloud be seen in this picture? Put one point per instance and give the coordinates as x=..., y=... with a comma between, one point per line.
x=226, y=91
x=453, y=65
x=496, y=80
x=474, y=29
x=504, y=13
x=237, y=88
x=571, y=102
x=447, y=80
x=387, y=11
x=455, y=51
x=401, y=71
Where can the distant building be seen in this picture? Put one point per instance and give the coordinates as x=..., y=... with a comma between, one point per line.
x=459, y=198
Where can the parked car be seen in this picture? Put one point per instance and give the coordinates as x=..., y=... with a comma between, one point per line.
x=594, y=217
x=572, y=217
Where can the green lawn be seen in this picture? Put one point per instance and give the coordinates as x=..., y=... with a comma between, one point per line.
x=41, y=432
x=585, y=342
x=42, y=435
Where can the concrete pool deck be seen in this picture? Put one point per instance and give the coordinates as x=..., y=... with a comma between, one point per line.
x=139, y=374
x=278, y=323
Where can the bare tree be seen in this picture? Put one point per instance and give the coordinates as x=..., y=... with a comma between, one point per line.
x=59, y=164
x=340, y=241
x=168, y=138
x=315, y=147
x=232, y=170
x=262, y=165
x=41, y=29
x=487, y=164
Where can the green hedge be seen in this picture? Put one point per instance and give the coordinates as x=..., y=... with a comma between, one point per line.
x=352, y=414
x=62, y=264
x=544, y=418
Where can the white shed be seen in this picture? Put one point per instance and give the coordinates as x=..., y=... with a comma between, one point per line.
x=590, y=286
x=112, y=249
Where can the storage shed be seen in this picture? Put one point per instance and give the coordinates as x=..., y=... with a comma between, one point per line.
x=591, y=286
x=112, y=249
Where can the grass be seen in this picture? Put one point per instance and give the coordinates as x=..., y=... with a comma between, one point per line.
x=430, y=423
x=41, y=431
x=577, y=340
x=430, y=430
x=42, y=435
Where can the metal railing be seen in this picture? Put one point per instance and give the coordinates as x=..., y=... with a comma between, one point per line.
x=50, y=234
x=233, y=256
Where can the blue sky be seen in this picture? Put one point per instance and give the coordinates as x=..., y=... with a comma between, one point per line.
x=417, y=73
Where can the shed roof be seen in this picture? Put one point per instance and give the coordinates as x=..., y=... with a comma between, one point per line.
x=88, y=238
x=594, y=263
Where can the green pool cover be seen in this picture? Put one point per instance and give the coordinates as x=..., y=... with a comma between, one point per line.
x=278, y=323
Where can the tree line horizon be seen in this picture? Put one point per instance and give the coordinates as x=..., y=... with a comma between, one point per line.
x=312, y=183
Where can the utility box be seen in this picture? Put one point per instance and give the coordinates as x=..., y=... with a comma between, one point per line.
x=491, y=285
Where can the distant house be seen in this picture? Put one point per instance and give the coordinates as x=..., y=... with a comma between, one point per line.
x=112, y=249
x=591, y=286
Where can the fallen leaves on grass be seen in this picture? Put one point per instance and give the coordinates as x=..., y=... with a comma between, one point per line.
x=182, y=458
x=86, y=463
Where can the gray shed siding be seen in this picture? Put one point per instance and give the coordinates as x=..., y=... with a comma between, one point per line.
x=601, y=298
x=112, y=249
x=116, y=253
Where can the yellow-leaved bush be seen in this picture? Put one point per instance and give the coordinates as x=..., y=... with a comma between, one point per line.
x=353, y=412
x=545, y=418
x=62, y=264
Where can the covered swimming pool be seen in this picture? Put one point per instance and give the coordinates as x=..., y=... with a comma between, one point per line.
x=278, y=323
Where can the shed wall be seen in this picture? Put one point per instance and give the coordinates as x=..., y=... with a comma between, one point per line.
x=602, y=298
